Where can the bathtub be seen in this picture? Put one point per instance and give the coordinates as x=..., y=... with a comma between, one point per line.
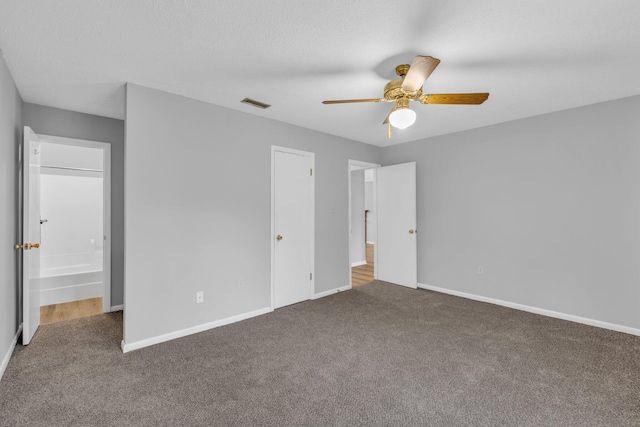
x=70, y=277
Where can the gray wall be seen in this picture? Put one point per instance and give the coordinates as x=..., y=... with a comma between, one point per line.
x=10, y=234
x=198, y=185
x=549, y=206
x=357, y=244
x=70, y=124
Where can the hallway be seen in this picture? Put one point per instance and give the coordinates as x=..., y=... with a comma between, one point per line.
x=363, y=273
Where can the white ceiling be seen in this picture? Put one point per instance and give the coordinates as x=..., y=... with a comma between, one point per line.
x=533, y=57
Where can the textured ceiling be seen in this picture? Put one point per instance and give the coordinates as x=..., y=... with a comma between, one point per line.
x=533, y=57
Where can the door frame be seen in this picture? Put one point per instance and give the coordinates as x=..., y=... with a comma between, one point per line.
x=312, y=157
x=361, y=165
x=106, y=206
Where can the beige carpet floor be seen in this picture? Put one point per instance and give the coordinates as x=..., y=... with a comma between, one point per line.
x=376, y=355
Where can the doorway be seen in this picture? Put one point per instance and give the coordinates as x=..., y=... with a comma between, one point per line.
x=393, y=249
x=362, y=222
x=66, y=210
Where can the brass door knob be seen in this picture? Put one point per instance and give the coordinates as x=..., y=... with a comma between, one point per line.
x=279, y=237
x=411, y=231
x=34, y=245
x=25, y=247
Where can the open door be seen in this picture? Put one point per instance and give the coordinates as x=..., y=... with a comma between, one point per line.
x=397, y=260
x=30, y=234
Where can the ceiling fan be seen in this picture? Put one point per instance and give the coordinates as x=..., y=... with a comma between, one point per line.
x=409, y=88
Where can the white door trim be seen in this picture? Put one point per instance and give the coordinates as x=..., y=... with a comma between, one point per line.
x=106, y=206
x=361, y=165
x=312, y=156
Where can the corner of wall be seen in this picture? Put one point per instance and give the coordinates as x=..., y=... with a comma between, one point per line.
x=10, y=202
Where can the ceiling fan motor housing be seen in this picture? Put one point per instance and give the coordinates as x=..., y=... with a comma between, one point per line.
x=393, y=90
x=401, y=102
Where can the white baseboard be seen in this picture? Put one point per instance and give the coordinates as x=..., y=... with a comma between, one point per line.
x=358, y=263
x=127, y=347
x=536, y=310
x=370, y=243
x=12, y=346
x=331, y=292
x=71, y=293
x=117, y=307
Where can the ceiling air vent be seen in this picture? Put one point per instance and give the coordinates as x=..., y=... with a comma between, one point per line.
x=255, y=103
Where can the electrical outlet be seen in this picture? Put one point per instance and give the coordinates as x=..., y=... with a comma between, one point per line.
x=240, y=283
x=480, y=269
x=199, y=297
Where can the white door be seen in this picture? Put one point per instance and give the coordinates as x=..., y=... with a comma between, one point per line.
x=397, y=243
x=293, y=225
x=30, y=235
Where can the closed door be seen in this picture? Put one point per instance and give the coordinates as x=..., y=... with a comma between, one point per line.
x=293, y=226
x=30, y=235
x=397, y=242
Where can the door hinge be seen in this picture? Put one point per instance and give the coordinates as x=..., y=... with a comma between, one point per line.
x=310, y=172
x=310, y=276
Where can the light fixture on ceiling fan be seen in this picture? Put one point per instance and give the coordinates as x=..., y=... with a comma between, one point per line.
x=401, y=116
x=408, y=88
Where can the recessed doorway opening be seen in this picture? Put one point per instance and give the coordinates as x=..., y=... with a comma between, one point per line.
x=362, y=222
x=66, y=227
x=72, y=232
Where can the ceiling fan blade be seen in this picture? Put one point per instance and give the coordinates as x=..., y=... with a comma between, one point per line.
x=349, y=101
x=386, y=121
x=420, y=70
x=455, y=98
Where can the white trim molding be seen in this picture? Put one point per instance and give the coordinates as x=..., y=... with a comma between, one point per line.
x=127, y=347
x=535, y=310
x=119, y=307
x=331, y=292
x=7, y=356
x=358, y=263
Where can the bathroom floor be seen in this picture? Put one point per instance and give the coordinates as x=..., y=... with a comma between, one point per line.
x=70, y=310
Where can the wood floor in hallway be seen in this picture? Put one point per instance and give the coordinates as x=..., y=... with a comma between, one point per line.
x=363, y=273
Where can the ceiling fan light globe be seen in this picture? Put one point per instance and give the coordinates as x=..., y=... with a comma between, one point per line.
x=402, y=118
